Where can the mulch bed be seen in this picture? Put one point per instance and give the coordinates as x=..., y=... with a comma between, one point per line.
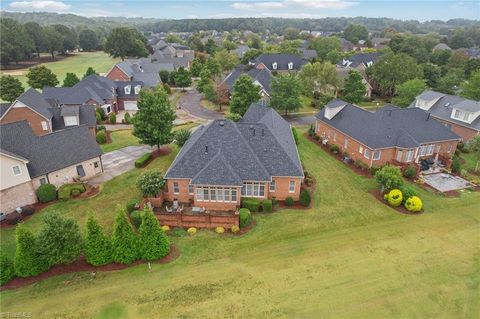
x=245, y=230
x=339, y=157
x=401, y=209
x=81, y=265
x=164, y=150
x=89, y=192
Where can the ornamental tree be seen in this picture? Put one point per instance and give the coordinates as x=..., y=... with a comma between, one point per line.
x=286, y=91
x=10, y=88
x=150, y=183
x=124, y=240
x=60, y=240
x=389, y=177
x=245, y=92
x=181, y=136
x=98, y=246
x=182, y=78
x=70, y=80
x=319, y=77
x=154, y=243
x=153, y=122
x=204, y=80
x=196, y=67
x=40, y=77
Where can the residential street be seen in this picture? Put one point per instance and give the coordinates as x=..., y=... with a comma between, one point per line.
x=190, y=102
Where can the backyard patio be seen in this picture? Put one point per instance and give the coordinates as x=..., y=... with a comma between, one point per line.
x=444, y=182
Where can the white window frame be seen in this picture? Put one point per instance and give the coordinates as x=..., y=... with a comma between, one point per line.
x=409, y=155
x=367, y=154
x=137, y=89
x=253, y=189
x=274, y=65
x=272, y=186
x=376, y=155
x=290, y=184
x=430, y=149
x=19, y=170
x=216, y=194
x=290, y=65
x=44, y=126
x=399, y=156
x=127, y=89
x=345, y=143
x=449, y=148
x=334, y=136
x=70, y=120
x=360, y=149
x=191, y=189
x=176, y=188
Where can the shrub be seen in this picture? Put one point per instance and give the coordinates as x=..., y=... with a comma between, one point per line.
x=7, y=270
x=98, y=118
x=274, y=203
x=389, y=177
x=101, y=128
x=167, y=88
x=410, y=172
x=150, y=183
x=407, y=191
x=136, y=218
x=456, y=166
x=154, y=244
x=98, y=246
x=235, y=117
x=192, y=231
x=101, y=137
x=334, y=149
x=112, y=118
x=142, y=160
x=75, y=192
x=267, y=206
x=305, y=198
x=101, y=112
x=311, y=130
x=317, y=138
x=46, y=193
x=27, y=261
x=394, y=197
x=289, y=201
x=124, y=241
x=295, y=135
x=361, y=165
x=252, y=204
x=60, y=240
x=461, y=146
x=235, y=229
x=219, y=230
x=374, y=169
x=28, y=210
x=66, y=190
x=165, y=228
x=181, y=136
x=127, y=118
x=245, y=217
x=131, y=204
x=414, y=204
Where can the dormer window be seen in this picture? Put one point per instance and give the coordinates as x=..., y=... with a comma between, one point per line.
x=137, y=89
x=70, y=120
x=290, y=65
x=461, y=115
x=369, y=63
x=274, y=65
x=127, y=89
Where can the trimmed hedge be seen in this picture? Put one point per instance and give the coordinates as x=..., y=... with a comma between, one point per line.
x=112, y=118
x=305, y=198
x=410, y=172
x=414, y=204
x=245, y=217
x=252, y=204
x=101, y=137
x=65, y=191
x=46, y=193
x=142, y=160
x=267, y=206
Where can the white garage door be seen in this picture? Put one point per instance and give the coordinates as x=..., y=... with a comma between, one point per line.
x=130, y=106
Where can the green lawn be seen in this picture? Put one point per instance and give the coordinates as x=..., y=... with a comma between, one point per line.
x=470, y=161
x=78, y=64
x=348, y=257
x=372, y=105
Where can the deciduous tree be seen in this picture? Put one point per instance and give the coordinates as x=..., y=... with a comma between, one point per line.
x=182, y=78
x=245, y=92
x=407, y=91
x=227, y=60
x=70, y=79
x=10, y=88
x=40, y=77
x=88, y=40
x=126, y=42
x=354, y=89
x=286, y=92
x=89, y=72
x=319, y=77
x=471, y=88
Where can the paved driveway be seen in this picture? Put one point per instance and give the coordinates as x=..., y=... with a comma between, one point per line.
x=118, y=162
x=190, y=102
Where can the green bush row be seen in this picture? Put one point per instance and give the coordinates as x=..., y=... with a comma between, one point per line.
x=255, y=205
x=67, y=190
x=142, y=160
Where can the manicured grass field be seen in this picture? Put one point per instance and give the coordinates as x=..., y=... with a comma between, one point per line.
x=78, y=64
x=348, y=257
x=470, y=161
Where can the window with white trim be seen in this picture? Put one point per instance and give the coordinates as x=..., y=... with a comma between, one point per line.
x=430, y=149
x=360, y=150
x=449, y=148
x=461, y=115
x=253, y=189
x=44, y=126
x=367, y=153
x=345, y=143
x=409, y=156
x=16, y=170
x=70, y=120
x=272, y=186
x=376, y=155
x=176, y=189
x=399, y=155
x=334, y=136
x=290, y=65
x=291, y=187
x=190, y=189
x=127, y=89
x=215, y=194
x=137, y=89
x=274, y=65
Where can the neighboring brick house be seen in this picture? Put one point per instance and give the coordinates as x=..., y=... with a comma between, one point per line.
x=390, y=135
x=226, y=161
x=142, y=69
x=279, y=62
x=46, y=116
x=29, y=160
x=461, y=115
x=358, y=62
x=260, y=77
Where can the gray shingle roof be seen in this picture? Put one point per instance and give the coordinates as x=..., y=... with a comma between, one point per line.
x=388, y=127
x=359, y=58
x=86, y=115
x=69, y=110
x=36, y=101
x=443, y=108
x=49, y=152
x=227, y=153
x=4, y=107
x=282, y=61
x=263, y=76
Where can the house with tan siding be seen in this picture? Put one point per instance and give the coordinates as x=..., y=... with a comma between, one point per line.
x=226, y=161
x=389, y=135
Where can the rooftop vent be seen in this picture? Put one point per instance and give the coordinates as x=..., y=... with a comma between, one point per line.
x=428, y=116
x=206, y=149
x=251, y=127
x=222, y=123
x=447, y=104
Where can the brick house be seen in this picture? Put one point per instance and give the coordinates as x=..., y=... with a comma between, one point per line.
x=461, y=115
x=226, y=161
x=28, y=160
x=143, y=70
x=389, y=135
x=45, y=115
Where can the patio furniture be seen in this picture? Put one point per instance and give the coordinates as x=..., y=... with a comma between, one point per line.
x=169, y=210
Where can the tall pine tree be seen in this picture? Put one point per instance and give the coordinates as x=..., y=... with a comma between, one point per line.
x=124, y=241
x=98, y=246
x=154, y=244
x=27, y=261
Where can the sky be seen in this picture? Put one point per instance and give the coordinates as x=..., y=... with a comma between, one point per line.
x=405, y=10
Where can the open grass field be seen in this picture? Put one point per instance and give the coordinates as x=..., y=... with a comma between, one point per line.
x=470, y=161
x=78, y=64
x=348, y=257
